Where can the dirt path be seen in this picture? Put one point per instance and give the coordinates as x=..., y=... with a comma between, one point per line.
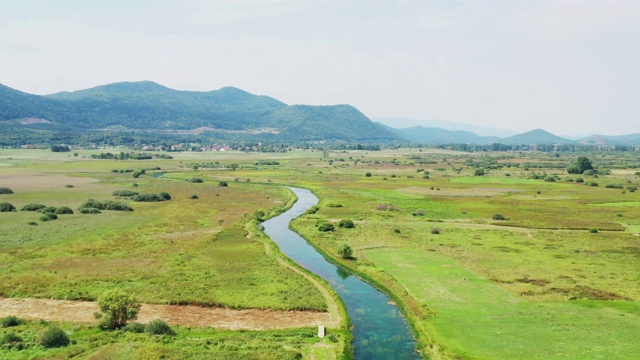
x=249, y=319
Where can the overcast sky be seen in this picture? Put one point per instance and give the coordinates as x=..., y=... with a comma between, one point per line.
x=570, y=67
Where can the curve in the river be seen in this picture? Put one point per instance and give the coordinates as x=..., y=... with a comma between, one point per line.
x=379, y=330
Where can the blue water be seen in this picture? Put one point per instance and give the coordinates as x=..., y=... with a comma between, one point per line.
x=379, y=330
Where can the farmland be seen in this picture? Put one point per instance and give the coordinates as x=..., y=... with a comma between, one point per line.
x=556, y=276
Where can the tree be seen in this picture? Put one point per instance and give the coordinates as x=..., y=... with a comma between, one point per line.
x=580, y=165
x=259, y=215
x=232, y=166
x=345, y=251
x=479, y=172
x=116, y=309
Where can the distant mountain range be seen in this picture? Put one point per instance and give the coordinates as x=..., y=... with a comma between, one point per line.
x=401, y=123
x=147, y=107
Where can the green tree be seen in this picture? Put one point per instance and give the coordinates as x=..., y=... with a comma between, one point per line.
x=259, y=215
x=232, y=166
x=116, y=309
x=580, y=165
x=345, y=251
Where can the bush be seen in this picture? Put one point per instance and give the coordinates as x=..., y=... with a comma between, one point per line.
x=90, y=211
x=53, y=337
x=367, y=174
x=5, y=190
x=10, y=339
x=48, y=217
x=125, y=193
x=593, y=230
x=345, y=251
x=479, y=172
x=33, y=207
x=195, y=180
x=106, y=205
x=223, y=183
x=498, y=217
x=33, y=223
x=418, y=213
x=10, y=321
x=592, y=183
x=194, y=197
x=116, y=309
x=148, y=198
x=312, y=210
x=346, y=223
x=159, y=327
x=579, y=180
x=136, y=174
x=614, y=186
x=64, y=210
x=165, y=195
x=134, y=327
x=632, y=188
x=333, y=205
x=49, y=209
x=6, y=207
x=436, y=231
x=324, y=226
x=69, y=186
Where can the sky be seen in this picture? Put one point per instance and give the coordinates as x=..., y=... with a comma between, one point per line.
x=569, y=67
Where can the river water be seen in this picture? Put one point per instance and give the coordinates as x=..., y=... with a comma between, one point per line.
x=379, y=330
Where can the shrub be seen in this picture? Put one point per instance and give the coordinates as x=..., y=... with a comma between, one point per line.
x=10, y=339
x=116, y=309
x=333, y=205
x=194, y=197
x=346, y=223
x=479, y=172
x=134, y=327
x=136, y=174
x=223, y=183
x=592, y=183
x=195, y=180
x=632, y=188
x=33, y=223
x=593, y=230
x=367, y=174
x=436, y=231
x=48, y=216
x=418, y=213
x=125, y=193
x=6, y=207
x=312, y=210
x=382, y=207
x=396, y=231
x=53, y=337
x=324, y=226
x=579, y=180
x=148, y=198
x=345, y=251
x=5, y=190
x=33, y=207
x=64, y=210
x=10, y=321
x=614, y=186
x=69, y=186
x=106, y=205
x=550, y=179
x=159, y=327
x=90, y=211
x=49, y=209
x=165, y=195
x=498, y=217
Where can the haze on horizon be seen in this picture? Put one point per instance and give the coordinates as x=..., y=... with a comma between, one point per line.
x=566, y=66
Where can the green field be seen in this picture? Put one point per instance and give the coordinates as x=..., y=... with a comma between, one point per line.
x=558, y=278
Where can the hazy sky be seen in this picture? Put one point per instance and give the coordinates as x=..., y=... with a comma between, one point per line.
x=569, y=67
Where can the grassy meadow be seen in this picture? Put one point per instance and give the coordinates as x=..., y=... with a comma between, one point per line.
x=557, y=277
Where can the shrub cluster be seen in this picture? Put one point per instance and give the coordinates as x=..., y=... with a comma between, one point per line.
x=64, y=210
x=499, y=217
x=5, y=190
x=125, y=193
x=312, y=210
x=163, y=196
x=6, y=207
x=195, y=180
x=90, y=211
x=614, y=186
x=10, y=321
x=105, y=205
x=33, y=207
x=48, y=216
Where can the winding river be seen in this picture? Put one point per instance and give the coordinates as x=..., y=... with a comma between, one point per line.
x=379, y=330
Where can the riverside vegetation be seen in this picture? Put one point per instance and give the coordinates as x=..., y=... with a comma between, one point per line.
x=423, y=225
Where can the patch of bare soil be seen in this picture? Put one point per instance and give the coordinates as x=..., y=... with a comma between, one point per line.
x=196, y=316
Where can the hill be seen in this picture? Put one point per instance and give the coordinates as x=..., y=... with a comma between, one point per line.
x=429, y=135
x=537, y=136
x=149, y=106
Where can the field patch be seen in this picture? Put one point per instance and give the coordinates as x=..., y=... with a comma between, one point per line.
x=618, y=203
x=464, y=192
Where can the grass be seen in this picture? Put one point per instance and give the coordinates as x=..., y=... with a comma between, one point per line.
x=89, y=342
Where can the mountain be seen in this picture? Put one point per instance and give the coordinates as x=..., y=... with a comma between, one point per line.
x=445, y=125
x=149, y=106
x=537, y=136
x=627, y=140
x=429, y=135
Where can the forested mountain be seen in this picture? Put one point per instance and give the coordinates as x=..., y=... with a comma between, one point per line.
x=429, y=135
x=537, y=136
x=152, y=107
